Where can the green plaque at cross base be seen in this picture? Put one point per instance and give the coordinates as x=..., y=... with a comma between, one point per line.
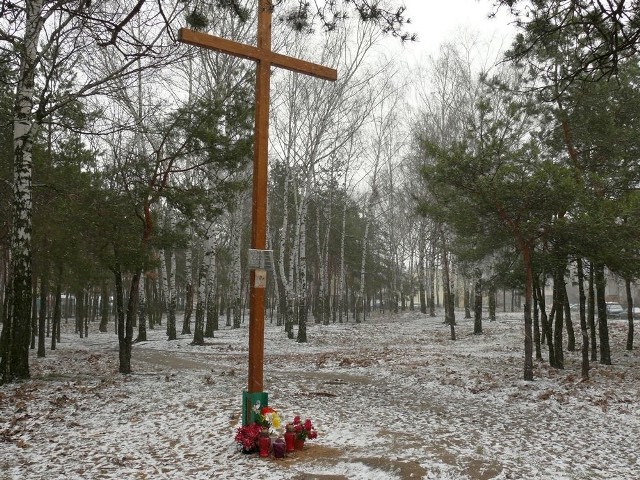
x=249, y=400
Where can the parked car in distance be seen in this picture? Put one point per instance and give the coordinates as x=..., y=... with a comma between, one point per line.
x=636, y=313
x=614, y=309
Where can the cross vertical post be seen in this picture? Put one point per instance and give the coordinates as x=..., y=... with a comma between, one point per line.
x=259, y=200
x=265, y=59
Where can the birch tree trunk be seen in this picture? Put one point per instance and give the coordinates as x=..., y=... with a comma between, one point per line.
x=342, y=294
x=285, y=280
x=142, y=311
x=363, y=264
x=171, y=311
x=188, y=274
x=302, y=264
x=14, y=342
x=164, y=272
x=370, y=201
x=422, y=257
x=211, y=287
x=432, y=278
x=201, y=296
x=169, y=294
x=235, y=221
x=322, y=246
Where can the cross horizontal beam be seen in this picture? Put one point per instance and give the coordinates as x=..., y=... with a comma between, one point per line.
x=250, y=52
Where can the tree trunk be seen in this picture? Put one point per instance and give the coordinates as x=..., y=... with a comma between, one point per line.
x=34, y=318
x=57, y=314
x=528, y=296
x=236, y=270
x=142, y=310
x=591, y=313
x=466, y=298
x=16, y=331
x=201, y=298
x=433, y=296
x=188, y=306
x=86, y=316
x=422, y=258
x=450, y=316
x=209, y=263
x=125, y=332
x=286, y=277
x=302, y=308
x=477, y=310
x=536, y=324
x=42, y=314
x=80, y=312
x=323, y=310
x=492, y=300
x=546, y=322
x=583, y=320
x=173, y=299
x=363, y=265
x=302, y=271
x=603, y=327
x=104, y=308
x=125, y=360
x=627, y=284
x=558, y=302
x=169, y=291
x=341, y=294
x=571, y=336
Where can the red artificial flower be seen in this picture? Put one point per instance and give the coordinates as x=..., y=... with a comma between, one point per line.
x=307, y=424
x=303, y=430
x=247, y=435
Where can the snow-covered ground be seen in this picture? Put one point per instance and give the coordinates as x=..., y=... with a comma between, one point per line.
x=392, y=398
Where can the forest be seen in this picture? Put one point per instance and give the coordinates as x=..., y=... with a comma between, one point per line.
x=475, y=181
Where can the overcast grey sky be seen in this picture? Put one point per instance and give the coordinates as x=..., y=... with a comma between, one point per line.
x=437, y=21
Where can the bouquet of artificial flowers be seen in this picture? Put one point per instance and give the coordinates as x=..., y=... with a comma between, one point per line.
x=267, y=417
x=247, y=437
x=304, y=430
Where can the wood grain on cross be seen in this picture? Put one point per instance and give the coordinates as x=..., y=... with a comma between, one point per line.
x=265, y=58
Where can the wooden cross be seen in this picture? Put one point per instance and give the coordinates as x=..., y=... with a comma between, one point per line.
x=264, y=58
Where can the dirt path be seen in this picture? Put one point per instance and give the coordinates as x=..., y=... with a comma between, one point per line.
x=350, y=388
